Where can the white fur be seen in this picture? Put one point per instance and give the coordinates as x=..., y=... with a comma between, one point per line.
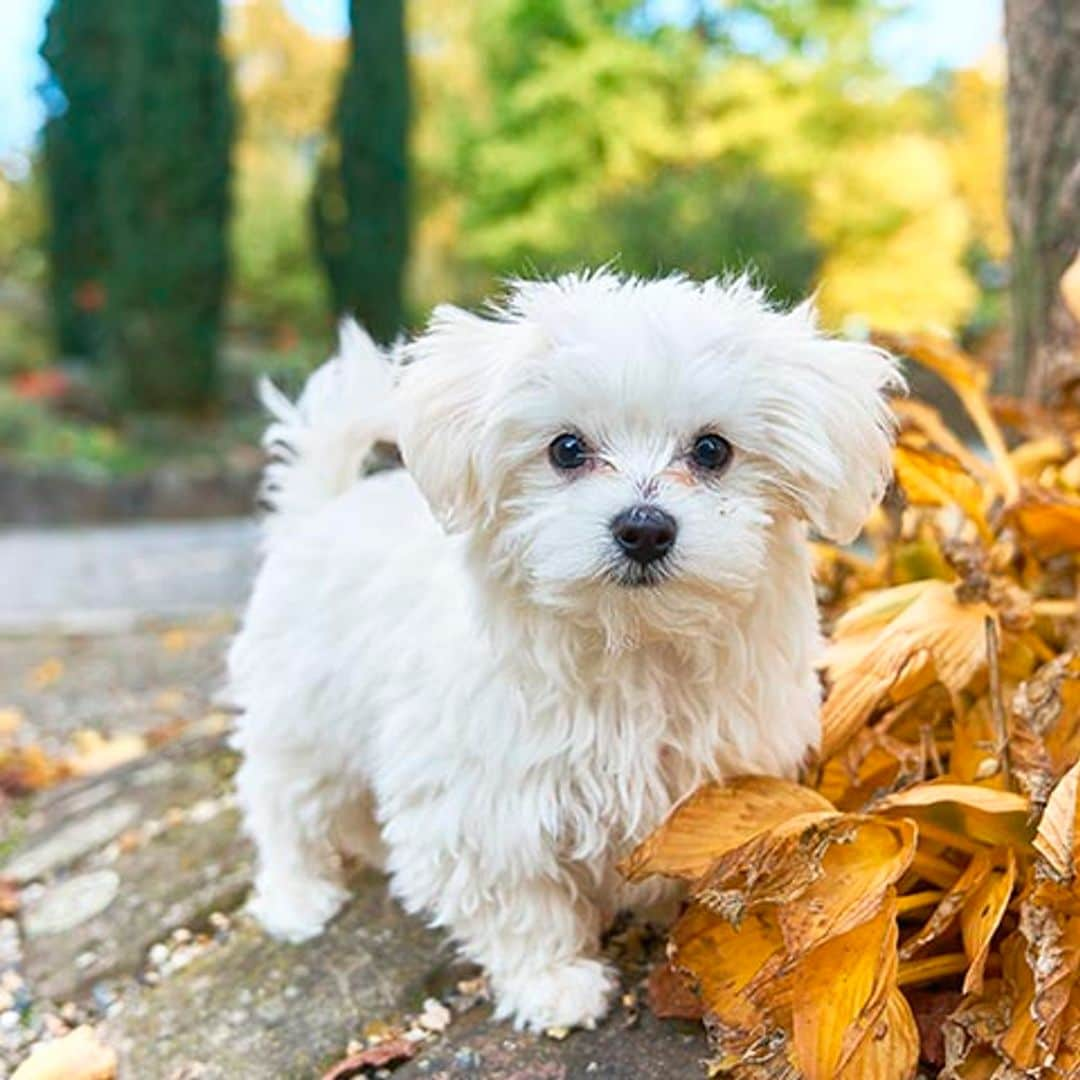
x=481, y=708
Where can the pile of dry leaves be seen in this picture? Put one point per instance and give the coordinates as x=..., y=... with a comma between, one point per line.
x=918, y=897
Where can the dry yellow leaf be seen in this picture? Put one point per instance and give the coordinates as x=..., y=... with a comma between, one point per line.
x=974, y=755
x=1068, y=1052
x=725, y=962
x=718, y=818
x=94, y=752
x=982, y=914
x=964, y=811
x=1051, y=521
x=79, y=1055
x=46, y=673
x=875, y=610
x=856, y=872
x=26, y=769
x=1057, y=838
x=949, y=906
x=933, y=478
x=177, y=639
x=934, y=637
x=890, y=1047
x=11, y=719
x=924, y=418
x=840, y=989
x=969, y=380
x=1031, y=458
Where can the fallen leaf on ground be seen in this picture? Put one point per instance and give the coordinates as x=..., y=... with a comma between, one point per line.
x=935, y=637
x=1057, y=838
x=669, y=995
x=79, y=1055
x=10, y=721
x=718, y=818
x=374, y=1057
x=970, y=811
x=981, y=916
x=177, y=639
x=26, y=769
x=10, y=900
x=933, y=478
x=841, y=989
x=94, y=752
x=46, y=673
x=1051, y=521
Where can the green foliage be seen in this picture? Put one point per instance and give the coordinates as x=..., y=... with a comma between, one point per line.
x=167, y=203
x=361, y=199
x=707, y=221
x=32, y=434
x=588, y=112
x=81, y=50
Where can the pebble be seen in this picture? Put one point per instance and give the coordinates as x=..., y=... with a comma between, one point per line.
x=466, y=1058
x=54, y=1026
x=103, y=996
x=204, y=810
x=70, y=903
x=434, y=1016
x=9, y=1020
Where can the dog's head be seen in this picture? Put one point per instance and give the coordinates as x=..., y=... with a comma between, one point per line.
x=632, y=442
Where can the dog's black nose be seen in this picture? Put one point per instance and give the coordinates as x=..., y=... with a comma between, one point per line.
x=645, y=533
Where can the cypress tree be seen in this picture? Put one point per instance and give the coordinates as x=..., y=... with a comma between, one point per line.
x=167, y=204
x=80, y=50
x=361, y=195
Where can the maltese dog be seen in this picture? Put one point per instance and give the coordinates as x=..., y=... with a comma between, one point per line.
x=491, y=674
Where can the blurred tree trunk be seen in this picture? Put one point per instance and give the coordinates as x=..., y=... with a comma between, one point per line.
x=80, y=50
x=167, y=203
x=1043, y=39
x=360, y=202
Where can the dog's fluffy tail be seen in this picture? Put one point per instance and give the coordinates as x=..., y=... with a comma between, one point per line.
x=317, y=445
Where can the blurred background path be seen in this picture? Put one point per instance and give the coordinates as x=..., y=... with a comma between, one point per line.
x=112, y=579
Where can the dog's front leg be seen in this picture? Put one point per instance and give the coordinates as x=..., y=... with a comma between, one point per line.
x=539, y=944
x=514, y=910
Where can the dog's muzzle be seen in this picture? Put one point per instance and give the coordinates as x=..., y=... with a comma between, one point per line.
x=645, y=534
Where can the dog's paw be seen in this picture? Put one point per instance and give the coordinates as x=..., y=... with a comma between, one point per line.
x=298, y=913
x=574, y=994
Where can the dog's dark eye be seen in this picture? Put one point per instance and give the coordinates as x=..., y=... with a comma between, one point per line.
x=568, y=451
x=711, y=452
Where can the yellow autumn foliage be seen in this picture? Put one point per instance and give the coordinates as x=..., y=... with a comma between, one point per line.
x=917, y=898
x=895, y=232
x=976, y=149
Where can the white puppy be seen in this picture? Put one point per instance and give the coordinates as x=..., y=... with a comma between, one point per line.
x=494, y=673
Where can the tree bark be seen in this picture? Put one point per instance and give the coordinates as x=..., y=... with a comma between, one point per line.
x=1043, y=38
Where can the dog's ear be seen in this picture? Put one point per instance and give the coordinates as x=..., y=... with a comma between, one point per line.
x=840, y=393
x=455, y=374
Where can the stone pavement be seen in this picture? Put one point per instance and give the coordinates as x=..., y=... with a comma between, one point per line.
x=111, y=578
x=129, y=885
